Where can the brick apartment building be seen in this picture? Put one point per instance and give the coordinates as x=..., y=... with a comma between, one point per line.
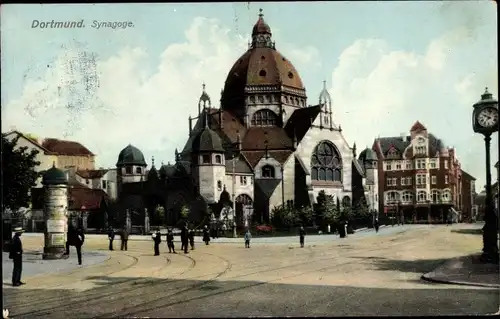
x=420, y=179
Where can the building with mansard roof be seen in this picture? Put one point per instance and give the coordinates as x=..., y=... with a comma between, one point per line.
x=263, y=147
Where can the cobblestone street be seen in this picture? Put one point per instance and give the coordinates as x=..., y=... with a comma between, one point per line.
x=372, y=275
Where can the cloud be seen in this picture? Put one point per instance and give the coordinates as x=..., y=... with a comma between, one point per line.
x=107, y=104
x=385, y=90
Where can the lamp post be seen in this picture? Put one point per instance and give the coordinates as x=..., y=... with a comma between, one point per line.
x=485, y=121
x=234, y=195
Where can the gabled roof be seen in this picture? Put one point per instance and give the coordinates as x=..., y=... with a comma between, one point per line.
x=80, y=198
x=467, y=176
x=276, y=137
x=92, y=174
x=35, y=142
x=254, y=157
x=64, y=147
x=401, y=143
x=241, y=165
x=418, y=127
x=301, y=120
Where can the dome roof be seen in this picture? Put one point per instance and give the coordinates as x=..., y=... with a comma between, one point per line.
x=167, y=171
x=207, y=141
x=54, y=176
x=225, y=198
x=368, y=155
x=131, y=155
x=262, y=64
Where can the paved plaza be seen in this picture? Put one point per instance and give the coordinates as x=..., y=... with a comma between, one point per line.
x=363, y=275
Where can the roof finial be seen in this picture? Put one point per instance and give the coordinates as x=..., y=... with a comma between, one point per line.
x=486, y=90
x=152, y=161
x=260, y=13
x=324, y=84
x=203, y=85
x=206, y=117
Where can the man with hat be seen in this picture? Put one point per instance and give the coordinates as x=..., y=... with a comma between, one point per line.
x=16, y=254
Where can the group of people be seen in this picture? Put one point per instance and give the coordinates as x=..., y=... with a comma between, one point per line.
x=187, y=239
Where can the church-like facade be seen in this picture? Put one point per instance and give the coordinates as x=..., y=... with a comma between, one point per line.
x=265, y=146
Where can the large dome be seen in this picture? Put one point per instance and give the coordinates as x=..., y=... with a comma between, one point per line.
x=131, y=155
x=261, y=65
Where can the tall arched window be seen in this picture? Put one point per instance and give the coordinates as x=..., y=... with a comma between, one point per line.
x=268, y=171
x=264, y=117
x=407, y=197
x=435, y=196
x=421, y=196
x=326, y=163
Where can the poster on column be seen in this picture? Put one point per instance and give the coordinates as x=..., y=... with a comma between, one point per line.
x=58, y=239
x=56, y=226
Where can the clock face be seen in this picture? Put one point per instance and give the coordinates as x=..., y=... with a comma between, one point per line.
x=488, y=117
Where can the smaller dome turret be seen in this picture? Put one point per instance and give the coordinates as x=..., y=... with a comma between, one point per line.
x=131, y=155
x=54, y=176
x=225, y=198
x=368, y=155
x=167, y=171
x=153, y=173
x=207, y=141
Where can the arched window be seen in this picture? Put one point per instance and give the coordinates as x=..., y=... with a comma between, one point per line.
x=421, y=196
x=435, y=196
x=407, y=197
x=346, y=201
x=218, y=159
x=391, y=197
x=326, y=163
x=264, y=117
x=244, y=199
x=446, y=196
x=268, y=171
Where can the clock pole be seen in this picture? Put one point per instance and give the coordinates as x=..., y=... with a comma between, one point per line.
x=487, y=108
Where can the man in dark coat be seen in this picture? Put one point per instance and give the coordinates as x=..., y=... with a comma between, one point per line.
x=16, y=254
x=184, y=238
x=70, y=236
x=191, y=238
x=302, y=234
x=124, y=238
x=376, y=224
x=79, y=240
x=157, y=240
x=206, y=235
x=111, y=237
x=170, y=241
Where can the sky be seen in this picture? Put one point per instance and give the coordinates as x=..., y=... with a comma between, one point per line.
x=387, y=65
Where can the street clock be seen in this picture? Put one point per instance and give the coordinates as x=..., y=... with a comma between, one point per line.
x=485, y=115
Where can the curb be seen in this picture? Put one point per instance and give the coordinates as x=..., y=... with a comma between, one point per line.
x=426, y=277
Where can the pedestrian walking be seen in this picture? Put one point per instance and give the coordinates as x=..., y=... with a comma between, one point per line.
x=70, y=237
x=16, y=254
x=302, y=235
x=111, y=237
x=170, y=241
x=376, y=225
x=248, y=237
x=157, y=240
x=124, y=239
x=206, y=235
x=184, y=239
x=79, y=240
x=191, y=238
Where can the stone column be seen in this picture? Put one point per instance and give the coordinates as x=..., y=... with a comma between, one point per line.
x=146, y=221
x=33, y=224
x=55, y=216
x=128, y=221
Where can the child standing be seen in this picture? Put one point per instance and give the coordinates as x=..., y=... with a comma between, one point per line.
x=248, y=236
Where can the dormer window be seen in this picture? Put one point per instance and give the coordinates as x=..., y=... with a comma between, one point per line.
x=268, y=171
x=218, y=159
x=138, y=170
x=128, y=170
x=205, y=159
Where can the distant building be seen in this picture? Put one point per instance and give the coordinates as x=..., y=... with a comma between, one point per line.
x=104, y=179
x=62, y=153
x=468, y=193
x=420, y=179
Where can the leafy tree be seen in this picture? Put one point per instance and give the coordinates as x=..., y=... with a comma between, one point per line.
x=285, y=217
x=325, y=209
x=184, y=212
x=306, y=215
x=19, y=175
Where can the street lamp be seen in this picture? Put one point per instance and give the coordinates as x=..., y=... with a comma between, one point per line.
x=485, y=121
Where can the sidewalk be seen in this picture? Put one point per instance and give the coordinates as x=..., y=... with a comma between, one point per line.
x=467, y=270
x=33, y=264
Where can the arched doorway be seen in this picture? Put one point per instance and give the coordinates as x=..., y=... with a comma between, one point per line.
x=243, y=201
